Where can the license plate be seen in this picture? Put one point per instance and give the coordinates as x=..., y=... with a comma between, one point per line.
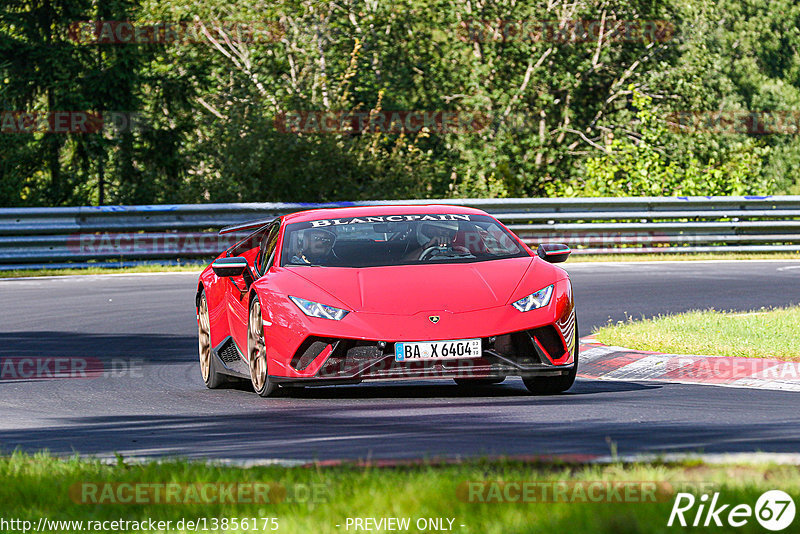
x=439, y=350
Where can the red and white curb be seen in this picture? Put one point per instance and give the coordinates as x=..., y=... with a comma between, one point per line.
x=617, y=363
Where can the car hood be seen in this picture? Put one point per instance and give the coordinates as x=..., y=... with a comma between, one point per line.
x=410, y=289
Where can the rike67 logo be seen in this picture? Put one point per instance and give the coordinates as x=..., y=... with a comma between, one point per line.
x=774, y=510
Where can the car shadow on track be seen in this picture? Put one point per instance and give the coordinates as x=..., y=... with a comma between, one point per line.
x=390, y=429
x=446, y=389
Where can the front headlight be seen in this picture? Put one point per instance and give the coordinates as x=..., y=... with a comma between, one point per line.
x=315, y=309
x=535, y=300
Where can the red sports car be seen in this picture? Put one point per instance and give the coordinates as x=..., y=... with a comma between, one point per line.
x=338, y=296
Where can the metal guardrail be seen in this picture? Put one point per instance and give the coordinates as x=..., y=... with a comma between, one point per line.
x=122, y=235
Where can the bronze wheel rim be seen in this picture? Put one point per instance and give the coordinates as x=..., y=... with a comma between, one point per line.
x=204, y=338
x=256, y=348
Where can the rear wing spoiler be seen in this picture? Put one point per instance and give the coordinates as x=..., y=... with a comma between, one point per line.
x=257, y=224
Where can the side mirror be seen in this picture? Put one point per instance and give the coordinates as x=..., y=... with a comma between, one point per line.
x=553, y=252
x=224, y=267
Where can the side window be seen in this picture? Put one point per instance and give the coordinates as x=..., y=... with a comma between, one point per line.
x=267, y=248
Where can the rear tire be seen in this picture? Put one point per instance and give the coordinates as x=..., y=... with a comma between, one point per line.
x=552, y=385
x=257, y=352
x=208, y=370
x=472, y=382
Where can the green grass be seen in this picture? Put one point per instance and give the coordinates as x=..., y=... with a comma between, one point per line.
x=35, y=486
x=763, y=333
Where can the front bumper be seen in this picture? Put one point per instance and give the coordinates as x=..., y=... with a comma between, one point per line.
x=542, y=351
x=361, y=347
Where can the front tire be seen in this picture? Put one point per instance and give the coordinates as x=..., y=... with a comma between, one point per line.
x=257, y=352
x=208, y=371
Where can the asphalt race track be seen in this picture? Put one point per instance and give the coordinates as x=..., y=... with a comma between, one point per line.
x=152, y=401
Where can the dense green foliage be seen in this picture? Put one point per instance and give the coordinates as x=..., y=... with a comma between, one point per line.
x=566, y=116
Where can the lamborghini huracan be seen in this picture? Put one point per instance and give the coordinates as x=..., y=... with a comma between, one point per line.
x=340, y=296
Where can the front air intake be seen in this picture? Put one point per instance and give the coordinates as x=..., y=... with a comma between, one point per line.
x=550, y=340
x=310, y=349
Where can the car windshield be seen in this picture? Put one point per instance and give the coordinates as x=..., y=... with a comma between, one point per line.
x=384, y=240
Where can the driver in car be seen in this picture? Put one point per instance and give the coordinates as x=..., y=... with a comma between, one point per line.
x=316, y=249
x=438, y=235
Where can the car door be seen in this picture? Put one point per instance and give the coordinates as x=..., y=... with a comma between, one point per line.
x=238, y=303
